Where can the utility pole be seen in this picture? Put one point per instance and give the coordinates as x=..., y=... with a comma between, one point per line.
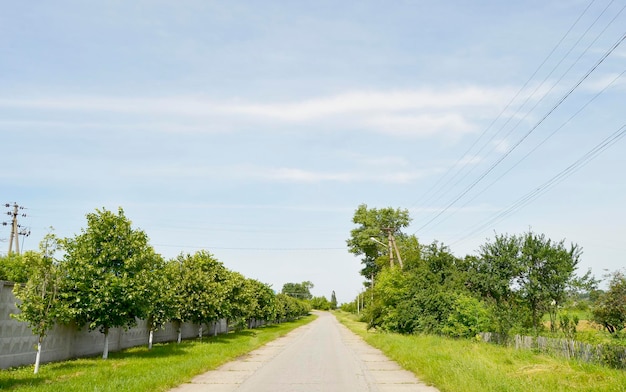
x=15, y=227
x=393, y=247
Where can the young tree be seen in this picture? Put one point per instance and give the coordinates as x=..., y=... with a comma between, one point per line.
x=203, y=288
x=39, y=305
x=162, y=305
x=106, y=271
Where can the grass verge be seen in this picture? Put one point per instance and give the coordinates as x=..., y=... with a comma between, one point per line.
x=469, y=366
x=139, y=369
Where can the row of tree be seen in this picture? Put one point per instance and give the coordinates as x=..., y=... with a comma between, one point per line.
x=510, y=285
x=109, y=276
x=303, y=291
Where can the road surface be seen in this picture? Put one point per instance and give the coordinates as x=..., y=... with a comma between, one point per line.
x=321, y=356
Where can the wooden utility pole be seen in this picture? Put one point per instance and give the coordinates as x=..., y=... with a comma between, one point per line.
x=393, y=247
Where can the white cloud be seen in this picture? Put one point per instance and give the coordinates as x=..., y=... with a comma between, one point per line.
x=421, y=113
x=421, y=125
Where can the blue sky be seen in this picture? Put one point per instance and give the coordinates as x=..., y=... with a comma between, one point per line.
x=255, y=129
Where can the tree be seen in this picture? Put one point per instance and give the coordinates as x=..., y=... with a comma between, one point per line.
x=162, y=305
x=298, y=290
x=320, y=303
x=521, y=276
x=203, y=288
x=547, y=268
x=333, y=301
x=240, y=301
x=372, y=223
x=39, y=305
x=610, y=307
x=264, y=301
x=106, y=269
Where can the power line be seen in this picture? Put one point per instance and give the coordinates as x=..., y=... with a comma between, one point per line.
x=525, y=136
x=532, y=76
x=540, y=143
x=558, y=178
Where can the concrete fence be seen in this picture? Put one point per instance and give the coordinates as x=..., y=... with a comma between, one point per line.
x=18, y=344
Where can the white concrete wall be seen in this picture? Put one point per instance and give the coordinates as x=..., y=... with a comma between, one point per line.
x=18, y=344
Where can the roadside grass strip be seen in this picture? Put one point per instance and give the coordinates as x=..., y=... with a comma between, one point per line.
x=139, y=369
x=471, y=366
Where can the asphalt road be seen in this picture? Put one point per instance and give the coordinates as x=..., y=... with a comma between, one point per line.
x=321, y=356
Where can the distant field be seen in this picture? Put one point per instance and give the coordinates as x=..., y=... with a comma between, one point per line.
x=471, y=366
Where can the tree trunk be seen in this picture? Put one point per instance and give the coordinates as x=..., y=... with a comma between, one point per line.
x=38, y=357
x=180, y=332
x=105, y=352
x=200, y=331
x=215, y=328
x=150, y=340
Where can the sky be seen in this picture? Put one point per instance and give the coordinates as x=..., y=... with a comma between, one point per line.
x=255, y=129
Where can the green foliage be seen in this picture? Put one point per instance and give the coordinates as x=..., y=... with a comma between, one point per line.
x=290, y=308
x=298, y=290
x=201, y=287
x=162, y=306
x=320, y=303
x=14, y=268
x=333, y=301
x=107, y=272
x=526, y=275
x=38, y=297
x=371, y=222
x=469, y=317
x=264, y=301
x=610, y=308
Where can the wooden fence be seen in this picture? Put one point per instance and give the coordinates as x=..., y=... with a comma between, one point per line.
x=611, y=355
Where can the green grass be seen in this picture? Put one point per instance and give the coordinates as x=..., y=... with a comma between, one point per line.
x=139, y=369
x=471, y=366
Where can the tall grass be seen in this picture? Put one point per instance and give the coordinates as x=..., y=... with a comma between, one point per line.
x=472, y=366
x=139, y=369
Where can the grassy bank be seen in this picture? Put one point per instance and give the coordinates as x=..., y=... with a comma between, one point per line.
x=140, y=369
x=469, y=366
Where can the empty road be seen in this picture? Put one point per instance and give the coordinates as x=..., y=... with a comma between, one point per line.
x=322, y=356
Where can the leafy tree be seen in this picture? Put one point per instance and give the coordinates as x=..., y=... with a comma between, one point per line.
x=547, y=268
x=523, y=277
x=264, y=301
x=240, y=301
x=492, y=275
x=162, y=304
x=203, y=288
x=320, y=303
x=39, y=305
x=298, y=290
x=106, y=273
x=610, y=308
x=371, y=222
